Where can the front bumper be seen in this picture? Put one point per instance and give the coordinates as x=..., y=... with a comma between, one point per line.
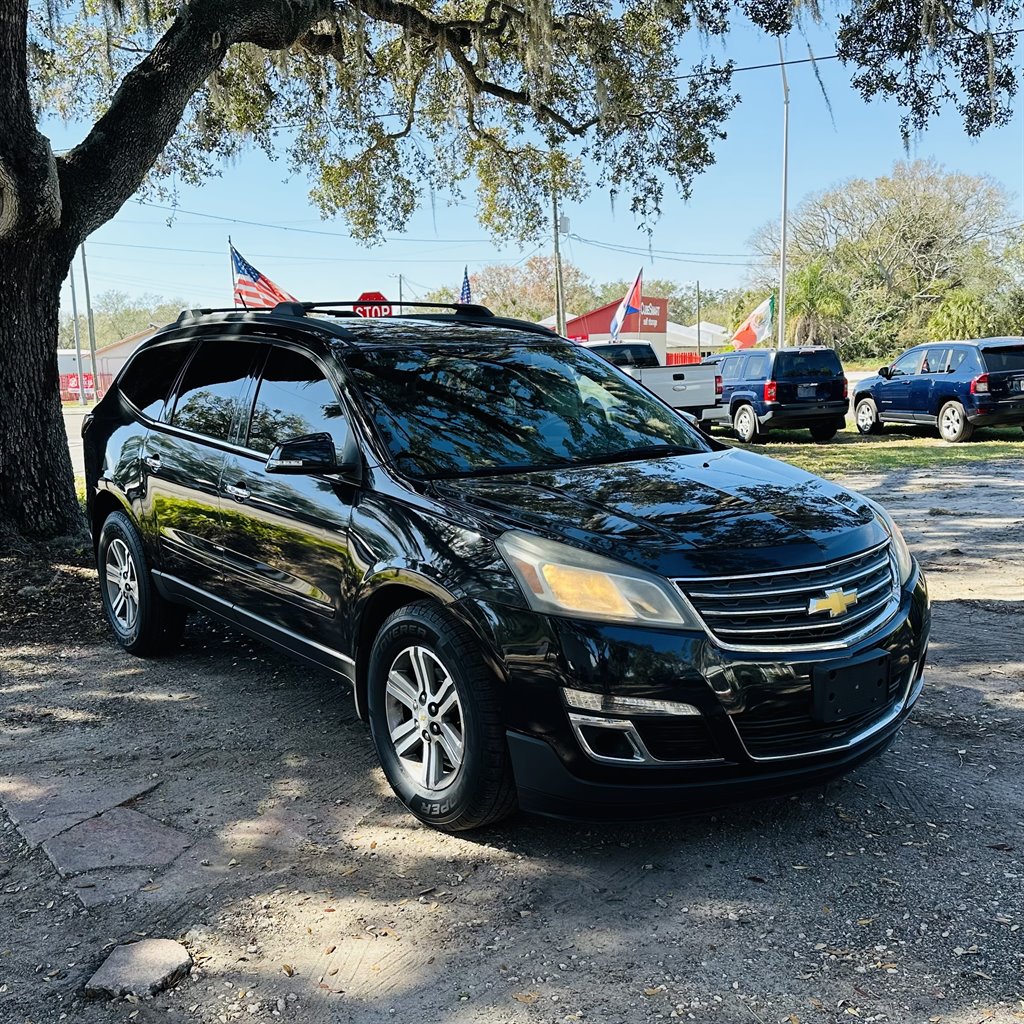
x=739, y=751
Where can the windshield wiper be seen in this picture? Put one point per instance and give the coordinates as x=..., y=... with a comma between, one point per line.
x=643, y=452
x=523, y=467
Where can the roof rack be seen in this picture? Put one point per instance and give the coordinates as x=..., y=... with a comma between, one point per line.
x=192, y=314
x=467, y=309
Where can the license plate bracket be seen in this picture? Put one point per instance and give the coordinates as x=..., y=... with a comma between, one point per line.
x=849, y=689
x=807, y=391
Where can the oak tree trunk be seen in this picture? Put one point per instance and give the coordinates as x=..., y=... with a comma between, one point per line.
x=37, y=493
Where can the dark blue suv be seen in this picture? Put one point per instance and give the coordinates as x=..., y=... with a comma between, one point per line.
x=953, y=385
x=782, y=387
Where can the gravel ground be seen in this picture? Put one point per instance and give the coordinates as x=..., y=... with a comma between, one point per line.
x=894, y=894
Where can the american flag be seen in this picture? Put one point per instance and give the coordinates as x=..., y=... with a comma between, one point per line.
x=464, y=295
x=252, y=289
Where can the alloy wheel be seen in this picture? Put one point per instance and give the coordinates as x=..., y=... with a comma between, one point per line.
x=122, y=584
x=425, y=721
x=865, y=417
x=952, y=420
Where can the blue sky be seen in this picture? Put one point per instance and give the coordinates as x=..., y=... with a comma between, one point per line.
x=729, y=202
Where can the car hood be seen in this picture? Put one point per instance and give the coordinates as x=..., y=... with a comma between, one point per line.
x=706, y=514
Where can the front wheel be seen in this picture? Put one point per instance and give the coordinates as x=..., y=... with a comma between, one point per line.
x=143, y=622
x=436, y=720
x=953, y=423
x=867, y=417
x=744, y=422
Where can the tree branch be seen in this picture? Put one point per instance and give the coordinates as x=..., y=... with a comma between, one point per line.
x=106, y=169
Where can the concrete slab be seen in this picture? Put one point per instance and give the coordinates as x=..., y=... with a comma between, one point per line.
x=140, y=968
x=43, y=808
x=96, y=888
x=119, y=837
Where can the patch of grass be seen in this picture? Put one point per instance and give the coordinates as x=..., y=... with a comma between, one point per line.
x=851, y=452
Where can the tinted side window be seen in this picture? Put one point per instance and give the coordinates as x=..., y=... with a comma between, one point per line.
x=209, y=392
x=907, y=364
x=294, y=398
x=935, y=359
x=151, y=374
x=964, y=360
x=730, y=369
x=757, y=367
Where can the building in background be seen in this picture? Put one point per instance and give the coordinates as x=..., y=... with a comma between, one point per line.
x=109, y=361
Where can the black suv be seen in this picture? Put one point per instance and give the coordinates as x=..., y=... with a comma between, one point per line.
x=783, y=387
x=544, y=585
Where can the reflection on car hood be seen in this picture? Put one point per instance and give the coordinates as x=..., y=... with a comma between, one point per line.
x=706, y=514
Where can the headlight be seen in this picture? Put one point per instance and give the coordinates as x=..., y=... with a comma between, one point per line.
x=904, y=560
x=564, y=580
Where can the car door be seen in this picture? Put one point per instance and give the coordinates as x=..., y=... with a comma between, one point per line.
x=287, y=541
x=930, y=376
x=894, y=394
x=729, y=367
x=183, y=458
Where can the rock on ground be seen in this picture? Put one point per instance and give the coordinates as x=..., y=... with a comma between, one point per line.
x=140, y=968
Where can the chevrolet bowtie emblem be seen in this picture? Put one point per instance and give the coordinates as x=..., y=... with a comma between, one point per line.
x=836, y=602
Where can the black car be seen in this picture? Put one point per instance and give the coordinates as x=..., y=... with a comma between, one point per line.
x=954, y=386
x=545, y=587
x=790, y=388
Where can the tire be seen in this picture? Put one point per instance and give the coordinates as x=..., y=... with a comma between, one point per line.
x=143, y=622
x=953, y=424
x=422, y=652
x=744, y=422
x=866, y=416
x=824, y=432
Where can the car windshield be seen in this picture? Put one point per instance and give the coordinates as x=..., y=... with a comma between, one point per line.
x=808, y=364
x=455, y=411
x=1005, y=357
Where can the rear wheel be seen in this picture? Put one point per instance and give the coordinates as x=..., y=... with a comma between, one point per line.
x=744, y=422
x=436, y=720
x=867, y=417
x=824, y=431
x=143, y=622
x=953, y=423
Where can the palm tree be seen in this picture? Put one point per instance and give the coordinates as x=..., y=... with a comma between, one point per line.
x=817, y=305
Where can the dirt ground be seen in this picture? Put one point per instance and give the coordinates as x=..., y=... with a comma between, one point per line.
x=304, y=892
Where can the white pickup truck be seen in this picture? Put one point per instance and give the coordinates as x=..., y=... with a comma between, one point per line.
x=694, y=388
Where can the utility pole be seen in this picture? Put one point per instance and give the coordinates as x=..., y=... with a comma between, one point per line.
x=92, y=330
x=399, y=294
x=559, y=293
x=781, y=337
x=78, y=340
x=698, y=320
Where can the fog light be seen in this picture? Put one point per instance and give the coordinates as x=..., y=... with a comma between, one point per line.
x=612, y=705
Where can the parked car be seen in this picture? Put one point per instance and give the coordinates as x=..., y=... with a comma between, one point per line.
x=953, y=385
x=690, y=388
x=789, y=388
x=544, y=587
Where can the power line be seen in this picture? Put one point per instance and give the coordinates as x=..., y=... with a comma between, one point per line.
x=634, y=251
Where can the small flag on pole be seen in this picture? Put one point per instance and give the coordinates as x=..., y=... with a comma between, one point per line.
x=757, y=326
x=464, y=295
x=629, y=304
x=254, y=290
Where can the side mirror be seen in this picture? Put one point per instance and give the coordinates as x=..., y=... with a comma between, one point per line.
x=311, y=453
x=884, y=371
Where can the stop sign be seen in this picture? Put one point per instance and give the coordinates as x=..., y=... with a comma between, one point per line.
x=372, y=304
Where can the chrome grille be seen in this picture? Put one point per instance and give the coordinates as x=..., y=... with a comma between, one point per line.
x=772, y=611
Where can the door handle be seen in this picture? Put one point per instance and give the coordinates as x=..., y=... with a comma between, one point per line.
x=153, y=461
x=239, y=492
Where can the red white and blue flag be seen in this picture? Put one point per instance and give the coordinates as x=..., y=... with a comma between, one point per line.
x=629, y=304
x=254, y=290
x=464, y=295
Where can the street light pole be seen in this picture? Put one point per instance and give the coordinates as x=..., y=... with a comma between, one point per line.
x=92, y=329
x=559, y=292
x=781, y=337
x=78, y=342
